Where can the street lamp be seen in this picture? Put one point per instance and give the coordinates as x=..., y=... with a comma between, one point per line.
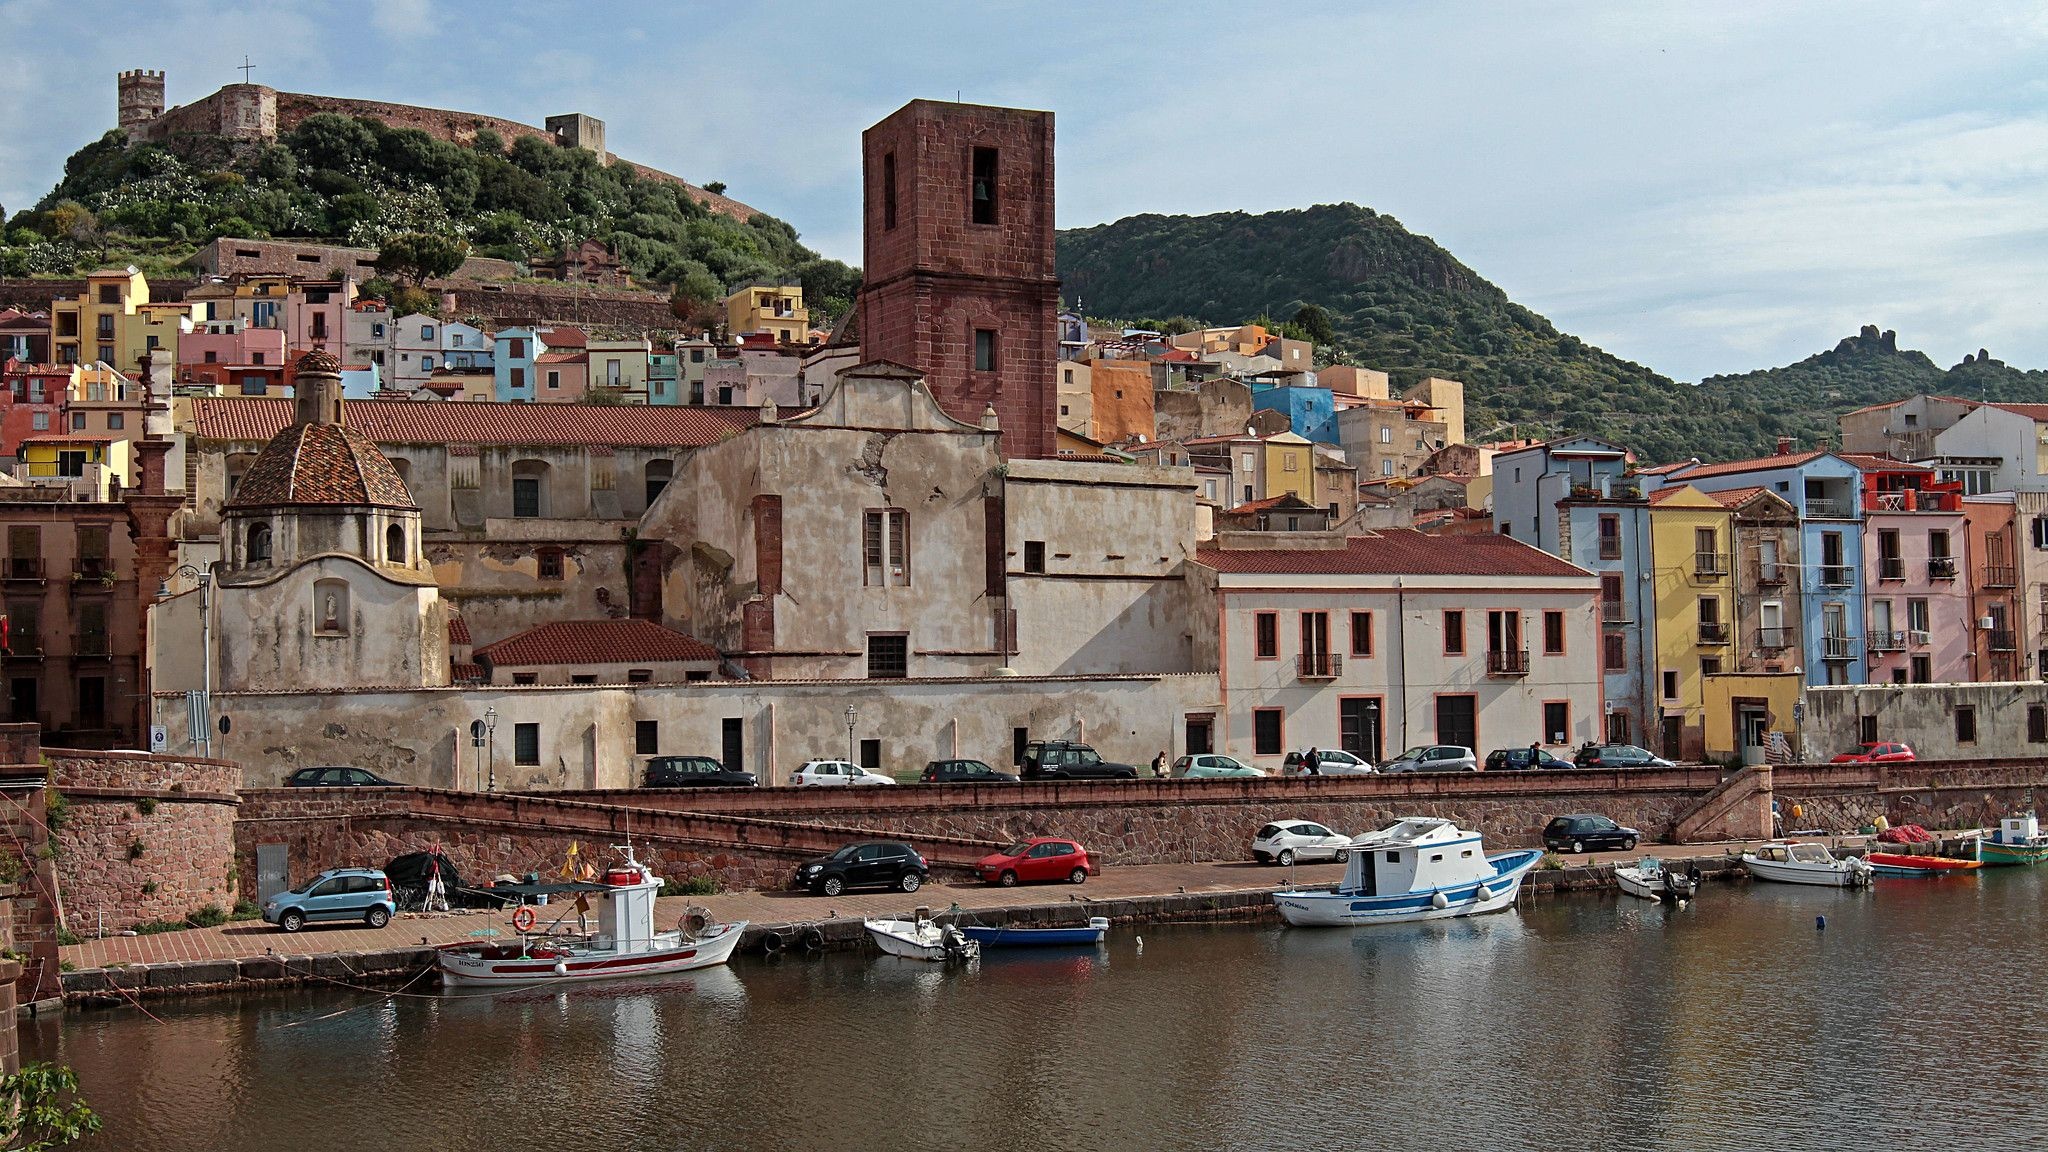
x=199, y=712
x=491, y=748
x=852, y=717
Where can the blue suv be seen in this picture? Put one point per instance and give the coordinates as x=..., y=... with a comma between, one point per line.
x=336, y=894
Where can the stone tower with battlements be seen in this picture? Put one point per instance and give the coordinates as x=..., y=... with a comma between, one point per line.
x=141, y=97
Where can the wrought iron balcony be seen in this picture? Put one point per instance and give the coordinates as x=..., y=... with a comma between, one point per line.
x=1891, y=568
x=1614, y=612
x=1837, y=575
x=1610, y=547
x=2000, y=576
x=1819, y=509
x=1320, y=665
x=1709, y=565
x=90, y=645
x=1507, y=662
x=24, y=568
x=2002, y=640
x=1773, y=639
x=1887, y=641
x=1838, y=647
x=1713, y=633
x=1941, y=568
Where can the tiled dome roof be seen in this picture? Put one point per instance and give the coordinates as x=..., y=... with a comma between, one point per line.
x=318, y=360
x=321, y=464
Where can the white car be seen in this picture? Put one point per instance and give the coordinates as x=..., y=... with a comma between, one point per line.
x=836, y=773
x=1329, y=762
x=1285, y=841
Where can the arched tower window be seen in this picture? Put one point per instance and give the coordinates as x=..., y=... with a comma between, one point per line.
x=394, y=544
x=659, y=472
x=258, y=550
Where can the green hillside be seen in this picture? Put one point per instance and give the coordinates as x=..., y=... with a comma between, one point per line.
x=358, y=181
x=1400, y=302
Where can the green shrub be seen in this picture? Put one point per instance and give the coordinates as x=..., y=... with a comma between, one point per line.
x=694, y=886
x=211, y=916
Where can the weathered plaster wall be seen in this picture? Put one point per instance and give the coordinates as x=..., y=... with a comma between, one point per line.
x=270, y=635
x=1924, y=715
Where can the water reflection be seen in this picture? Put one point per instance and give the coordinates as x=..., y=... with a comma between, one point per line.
x=1581, y=1022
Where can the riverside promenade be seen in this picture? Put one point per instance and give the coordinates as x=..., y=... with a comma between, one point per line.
x=247, y=953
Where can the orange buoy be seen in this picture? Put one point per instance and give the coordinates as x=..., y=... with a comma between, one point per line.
x=524, y=919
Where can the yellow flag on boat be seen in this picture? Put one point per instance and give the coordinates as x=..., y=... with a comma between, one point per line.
x=569, y=866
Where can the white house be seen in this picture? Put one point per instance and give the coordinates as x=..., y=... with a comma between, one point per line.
x=422, y=343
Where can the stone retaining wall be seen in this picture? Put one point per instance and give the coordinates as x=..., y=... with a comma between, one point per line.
x=143, y=837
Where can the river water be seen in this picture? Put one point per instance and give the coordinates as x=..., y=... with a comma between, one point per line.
x=1919, y=1016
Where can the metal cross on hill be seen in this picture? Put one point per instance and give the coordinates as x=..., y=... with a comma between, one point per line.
x=246, y=68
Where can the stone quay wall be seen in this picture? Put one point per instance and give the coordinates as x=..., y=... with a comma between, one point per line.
x=143, y=837
x=1935, y=793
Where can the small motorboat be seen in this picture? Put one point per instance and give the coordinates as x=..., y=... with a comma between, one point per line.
x=1897, y=864
x=1805, y=862
x=922, y=940
x=2018, y=841
x=1011, y=937
x=1420, y=868
x=613, y=935
x=1650, y=880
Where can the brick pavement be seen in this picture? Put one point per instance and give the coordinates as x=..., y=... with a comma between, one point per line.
x=233, y=941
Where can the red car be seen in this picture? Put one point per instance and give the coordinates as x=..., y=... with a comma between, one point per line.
x=1043, y=859
x=1876, y=753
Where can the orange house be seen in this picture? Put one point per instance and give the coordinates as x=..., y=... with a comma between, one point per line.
x=1122, y=397
x=1994, y=583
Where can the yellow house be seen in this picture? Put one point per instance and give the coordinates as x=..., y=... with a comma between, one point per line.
x=1694, y=594
x=1744, y=708
x=768, y=306
x=88, y=327
x=92, y=466
x=1290, y=467
x=154, y=330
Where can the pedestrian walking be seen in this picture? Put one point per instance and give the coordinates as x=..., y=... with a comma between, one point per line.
x=1159, y=765
x=1312, y=762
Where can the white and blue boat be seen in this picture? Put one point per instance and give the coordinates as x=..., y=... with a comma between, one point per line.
x=999, y=936
x=1421, y=868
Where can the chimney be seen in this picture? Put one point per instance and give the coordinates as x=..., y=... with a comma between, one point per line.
x=1784, y=446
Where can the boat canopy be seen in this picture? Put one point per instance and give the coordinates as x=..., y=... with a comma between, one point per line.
x=565, y=888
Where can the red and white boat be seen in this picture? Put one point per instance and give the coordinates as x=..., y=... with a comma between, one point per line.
x=600, y=931
x=1901, y=864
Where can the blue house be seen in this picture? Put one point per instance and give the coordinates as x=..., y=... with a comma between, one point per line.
x=1827, y=492
x=1574, y=498
x=663, y=380
x=513, y=352
x=1311, y=412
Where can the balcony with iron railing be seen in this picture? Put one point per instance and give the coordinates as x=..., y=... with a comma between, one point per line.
x=1773, y=639
x=1941, y=568
x=90, y=645
x=1891, y=568
x=24, y=647
x=1713, y=633
x=92, y=569
x=1838, y=647
x=1818, y=508
x=23, y=568
x=2002, y=639
x=1887, y=641
x=2000, y=576
x=1709, y=565
x=1507, y=662
x=1614, y=612
x=1319, y=665
x=1610, y=547
x=1837, y=576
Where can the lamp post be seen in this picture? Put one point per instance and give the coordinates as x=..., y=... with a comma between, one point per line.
x=852, y=717
x=491, y=748
x=199, y=717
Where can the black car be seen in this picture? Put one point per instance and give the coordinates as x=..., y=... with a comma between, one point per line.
x=1070, y=760
x=962, y=772
x=867, y=864
x=1522, y=759
x=337, y=778
x=693, y=772
x=1586, y=832
x=1619, y=756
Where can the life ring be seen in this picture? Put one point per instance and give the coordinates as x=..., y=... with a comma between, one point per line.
x=694, y=924
x=525, y=918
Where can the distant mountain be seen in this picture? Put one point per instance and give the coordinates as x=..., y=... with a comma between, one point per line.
x=1400, y=302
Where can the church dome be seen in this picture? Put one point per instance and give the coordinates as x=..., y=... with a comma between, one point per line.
x=321, y=464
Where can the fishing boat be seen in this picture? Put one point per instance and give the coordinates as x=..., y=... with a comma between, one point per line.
x=1420, y=868
x=2018, y=841
x=1650, y=880
x=922, y=940
x=1805, y=862
x=1003, y=936
x=606, y=931
x=1896, y=864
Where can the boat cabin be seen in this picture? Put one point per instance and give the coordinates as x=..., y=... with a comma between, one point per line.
x=1795, y=852
x=1418, y=854
x=2022, y=829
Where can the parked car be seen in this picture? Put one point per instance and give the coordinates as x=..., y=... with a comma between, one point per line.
x=693, y=772
x=1285, y=841
x=1329, y=762
x=1875, y=753
x=337, y=894
x=1208, y=764
x=1070, y=760
x=337, y=778
x=962, y=772
x=1434, y=758
x=1587, y=832
x=836, y=774
x=1619, y=756
x=1042, y=859
x=1522, y=759
x=865, y=864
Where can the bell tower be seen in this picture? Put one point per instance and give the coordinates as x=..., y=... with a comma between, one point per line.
x=141, y=97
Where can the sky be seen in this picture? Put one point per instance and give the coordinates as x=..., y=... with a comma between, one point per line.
x=1701, y=188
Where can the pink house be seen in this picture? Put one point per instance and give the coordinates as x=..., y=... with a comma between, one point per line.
x=228, y=342
x=1916, y=544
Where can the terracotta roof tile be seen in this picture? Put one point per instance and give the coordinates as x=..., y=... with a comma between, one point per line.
x=483, y=422
x=1760, y=464
x=2038, y=412
x=1730, y=497
x=321, y=464
x=596, y=642
x=458, y=630
x=1397, y=552
x=1885, y=463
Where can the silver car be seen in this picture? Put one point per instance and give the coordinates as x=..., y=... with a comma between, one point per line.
x=1329, y=762
x=1285, y=841
x=1434, y=758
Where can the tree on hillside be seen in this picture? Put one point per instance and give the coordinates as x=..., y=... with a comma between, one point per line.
x=1313, y=320
x=421, y=256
